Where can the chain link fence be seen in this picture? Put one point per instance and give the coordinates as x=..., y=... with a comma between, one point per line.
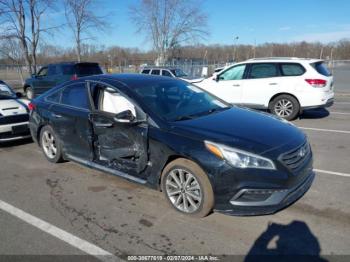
x=16, y=74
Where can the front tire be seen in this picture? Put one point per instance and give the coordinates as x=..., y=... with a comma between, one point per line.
x=187, y=188
x=285, y=106
x=50, y=145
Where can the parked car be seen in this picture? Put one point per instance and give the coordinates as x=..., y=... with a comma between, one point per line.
x=203, y=153
x=284, y=86
x=54, y=74
x=14, y=114
x=164, y=71
x=170, y=72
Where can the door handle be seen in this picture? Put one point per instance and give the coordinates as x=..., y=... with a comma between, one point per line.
x=236, y=85
x=56, y=115
x=105, y=125
x=272, y=84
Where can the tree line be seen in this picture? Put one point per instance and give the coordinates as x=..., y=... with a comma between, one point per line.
x=173, y=27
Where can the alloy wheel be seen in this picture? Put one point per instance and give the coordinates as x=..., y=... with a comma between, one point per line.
x=183, y=190
x=49, y=144
x=284, y=108
x=29, y=93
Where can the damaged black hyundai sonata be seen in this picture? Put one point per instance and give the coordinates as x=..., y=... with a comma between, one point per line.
x=203, y=153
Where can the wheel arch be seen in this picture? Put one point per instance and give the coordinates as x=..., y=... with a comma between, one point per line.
x=283, y=93
x=170, y=159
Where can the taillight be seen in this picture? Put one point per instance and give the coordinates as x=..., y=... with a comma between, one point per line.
x=317, y=82
x=74, y=77
x=31, y=106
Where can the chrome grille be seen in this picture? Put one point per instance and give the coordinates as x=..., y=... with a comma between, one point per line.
x=295, y=158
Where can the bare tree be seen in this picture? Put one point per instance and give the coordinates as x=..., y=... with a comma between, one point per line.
x=22, y=21
x=81, y=18
x=169, y=23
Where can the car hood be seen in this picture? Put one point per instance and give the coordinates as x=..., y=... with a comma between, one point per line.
x=246, y=129
x=10, y=107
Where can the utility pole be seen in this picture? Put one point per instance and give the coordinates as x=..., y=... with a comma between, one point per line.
x=235, y=39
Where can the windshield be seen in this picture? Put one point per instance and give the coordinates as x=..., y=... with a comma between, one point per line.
x=6, y=92
x=177, y=100
x=178, y=73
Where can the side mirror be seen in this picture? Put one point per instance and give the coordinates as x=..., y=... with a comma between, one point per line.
x=216, y=77
x=34, y=75
x=124, y=117
x=19, y=95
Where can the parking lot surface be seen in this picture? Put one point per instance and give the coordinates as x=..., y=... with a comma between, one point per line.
x=123, y=218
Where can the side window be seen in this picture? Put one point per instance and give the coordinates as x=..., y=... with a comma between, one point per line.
x=166, y=73
x=55, y=97
x=263, y=70
x=52, y=70
x=75, y=95
x=43, y=71
x=155, y=72
x=145, y=71
x=111, y=101
x=292, y=69
x=234, y=73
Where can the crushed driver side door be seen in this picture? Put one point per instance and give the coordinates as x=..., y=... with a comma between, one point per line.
x=120, y=145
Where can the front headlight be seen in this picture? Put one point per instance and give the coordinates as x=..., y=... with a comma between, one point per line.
x=239, y=158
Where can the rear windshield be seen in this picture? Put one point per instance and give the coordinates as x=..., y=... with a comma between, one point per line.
x=321, y=68
x=88, y=69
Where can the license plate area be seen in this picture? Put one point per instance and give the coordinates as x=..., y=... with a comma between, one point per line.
x=21, y=129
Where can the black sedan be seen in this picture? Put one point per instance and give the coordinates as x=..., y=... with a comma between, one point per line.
x=203, y=153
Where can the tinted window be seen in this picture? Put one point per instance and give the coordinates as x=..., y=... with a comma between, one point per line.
x=166, y=73
x=176, y=100
x=88, y=69
x=55, y=97
x=234, y=73
x=321, y=68
x=52, y=70
x=263, y=70
x=292, y=69
x=155, y=72
x=68, y=69
x=145, y=71
x=75, y=95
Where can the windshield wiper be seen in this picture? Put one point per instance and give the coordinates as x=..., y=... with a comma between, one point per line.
x=186, y=117
x=208, y=112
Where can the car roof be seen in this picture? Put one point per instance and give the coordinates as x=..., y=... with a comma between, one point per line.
x=130, y=80
x=160, y=67
x=73, y=63
x=283, y=60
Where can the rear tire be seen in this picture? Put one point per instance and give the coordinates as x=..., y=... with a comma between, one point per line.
x=187, y=188
x=50, y=145
x=285, y=106
x=29, y=92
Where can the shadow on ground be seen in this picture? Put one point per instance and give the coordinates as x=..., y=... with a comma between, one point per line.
x=314, y=113
x=16, y=143
x=293, y=242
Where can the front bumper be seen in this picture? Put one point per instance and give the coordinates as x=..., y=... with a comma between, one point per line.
x=9, y=133
x=276, y=199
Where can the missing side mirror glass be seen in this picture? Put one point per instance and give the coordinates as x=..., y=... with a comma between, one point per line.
x=125, y=117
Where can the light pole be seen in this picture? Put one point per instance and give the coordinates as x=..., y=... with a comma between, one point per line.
x=235, y=39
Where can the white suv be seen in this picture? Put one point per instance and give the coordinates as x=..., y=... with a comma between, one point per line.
x=285, y=86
